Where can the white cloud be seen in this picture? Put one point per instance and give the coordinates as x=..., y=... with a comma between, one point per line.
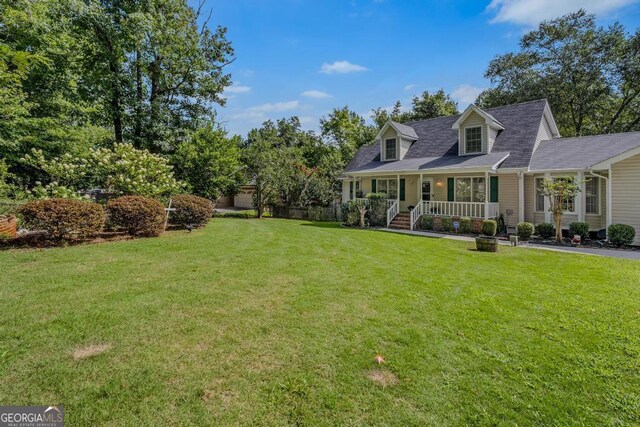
x=259, y=112
x=341, y=67
x=466, y=94
x=235, y=88
x=275, y=107
x=407, y=88
x=315, y=94
x=531, y=12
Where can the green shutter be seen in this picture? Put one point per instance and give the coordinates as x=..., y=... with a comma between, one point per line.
x=350, y=189
x=450, y=190
x=402, y=189
x=494, y=189
x=373, y=186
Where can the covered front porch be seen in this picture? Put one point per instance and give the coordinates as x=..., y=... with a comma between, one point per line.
x=451, y=195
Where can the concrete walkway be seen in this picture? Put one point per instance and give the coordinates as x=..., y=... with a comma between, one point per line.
x=585, y=251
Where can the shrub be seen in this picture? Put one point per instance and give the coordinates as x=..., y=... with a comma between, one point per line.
x=437, y=223
x=353, y=213
x=344, y=212
x=447, y=224
x=466, y=225
x=545, y=230
x=525, y=230
x=63, y=219
x=377, y=209
x=580, y=229
x=489, y=227
x=426, y=222
x=621, y=234
x=190, y=210
x=138, y=215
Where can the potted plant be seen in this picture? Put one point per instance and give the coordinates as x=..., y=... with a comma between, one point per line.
x=8, y=226
x=487, y=242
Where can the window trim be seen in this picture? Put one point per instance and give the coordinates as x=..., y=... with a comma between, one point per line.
x=464, y=131
x=553, y=177
x=472, y=177
x=535, y=196
x=597, y=195
x=395, y=151
x=387, y=183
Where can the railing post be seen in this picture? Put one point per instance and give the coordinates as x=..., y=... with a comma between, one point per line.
x=486, y=195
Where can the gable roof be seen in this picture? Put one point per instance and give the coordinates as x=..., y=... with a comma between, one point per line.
x=404, y=130
x=582, y=152
x=437, y=138
x=488, y=118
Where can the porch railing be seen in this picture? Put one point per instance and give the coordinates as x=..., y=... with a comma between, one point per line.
x=470, y=209
x=392, y=211
x=416, y=213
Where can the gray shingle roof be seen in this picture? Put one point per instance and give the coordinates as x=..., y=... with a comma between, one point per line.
x=405, y=130
x=430, y=163
x=582, y=152
x=437, y=139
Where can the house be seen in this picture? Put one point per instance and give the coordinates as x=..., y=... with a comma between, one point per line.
x=491, y=162
x=242, y=200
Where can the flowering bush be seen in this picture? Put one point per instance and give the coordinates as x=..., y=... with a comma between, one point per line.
x=63, y=219
x=121, y=169
x=190, y=210
x=139, y=216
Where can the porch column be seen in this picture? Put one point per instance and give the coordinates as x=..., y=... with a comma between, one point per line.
x=580, y=199
x=486, y=194
x=520, y=197
x=609, y=199
x=547, y=213
x=354, y=189
x=398, y=192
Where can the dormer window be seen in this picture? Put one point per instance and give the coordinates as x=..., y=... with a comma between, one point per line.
x=390, y=149
x=473, y=140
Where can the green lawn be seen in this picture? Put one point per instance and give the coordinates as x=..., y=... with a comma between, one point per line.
x=278, y=322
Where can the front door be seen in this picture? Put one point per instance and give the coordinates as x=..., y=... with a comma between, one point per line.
x=427, y=185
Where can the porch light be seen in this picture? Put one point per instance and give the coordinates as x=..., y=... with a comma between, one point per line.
x=439, y=183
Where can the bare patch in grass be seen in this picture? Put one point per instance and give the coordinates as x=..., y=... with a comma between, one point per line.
x=90, y=351
x=383, y=377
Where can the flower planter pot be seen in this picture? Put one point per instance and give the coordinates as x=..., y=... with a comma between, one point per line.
x=487, y=244
x=8, y=226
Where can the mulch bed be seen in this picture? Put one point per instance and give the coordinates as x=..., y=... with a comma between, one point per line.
x=588, y=244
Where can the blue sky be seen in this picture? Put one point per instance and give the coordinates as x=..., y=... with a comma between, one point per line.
x=305, y=57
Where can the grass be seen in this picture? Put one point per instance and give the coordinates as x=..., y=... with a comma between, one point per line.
x=246, y=214
x=278, y=322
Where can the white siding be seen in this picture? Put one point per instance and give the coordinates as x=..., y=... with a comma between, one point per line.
x=473, y=120
x=544, y=132
x=625, y=182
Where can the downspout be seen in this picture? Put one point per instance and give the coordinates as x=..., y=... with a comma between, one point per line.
x=609, y=195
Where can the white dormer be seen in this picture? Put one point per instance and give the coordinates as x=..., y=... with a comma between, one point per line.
x=395, y=140
x=477, y=131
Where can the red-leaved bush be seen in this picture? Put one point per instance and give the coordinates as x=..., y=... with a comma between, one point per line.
x=190, y=210
x=63, y=219
x=137, y=215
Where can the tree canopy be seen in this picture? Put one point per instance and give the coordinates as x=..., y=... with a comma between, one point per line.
x=588, y=73
x=426, y=106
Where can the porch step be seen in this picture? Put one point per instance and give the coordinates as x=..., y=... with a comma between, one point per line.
x=402, y=221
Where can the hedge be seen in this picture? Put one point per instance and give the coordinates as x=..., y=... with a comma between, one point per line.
x=621, y=234
x=190, y=210
x=525, y=230
x=137, y=215
x=63, y=219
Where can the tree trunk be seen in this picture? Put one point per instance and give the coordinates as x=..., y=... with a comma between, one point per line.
x=116, y=111
x=558, y=220
x=138, y=124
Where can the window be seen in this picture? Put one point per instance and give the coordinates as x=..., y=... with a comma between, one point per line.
x=569, y=203
x=390, y=149
x=470, y=190
x=473, y=140
x=592, y=195
x=539, y=195
x=358, y=189
x=388, y=186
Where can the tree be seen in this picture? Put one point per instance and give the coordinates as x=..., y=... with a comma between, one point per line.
x=209, y=162
x=120, y=169
x=560, y=192
x=426, y=106
x=588, y=74
x=260, y=159
x=347, y=131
